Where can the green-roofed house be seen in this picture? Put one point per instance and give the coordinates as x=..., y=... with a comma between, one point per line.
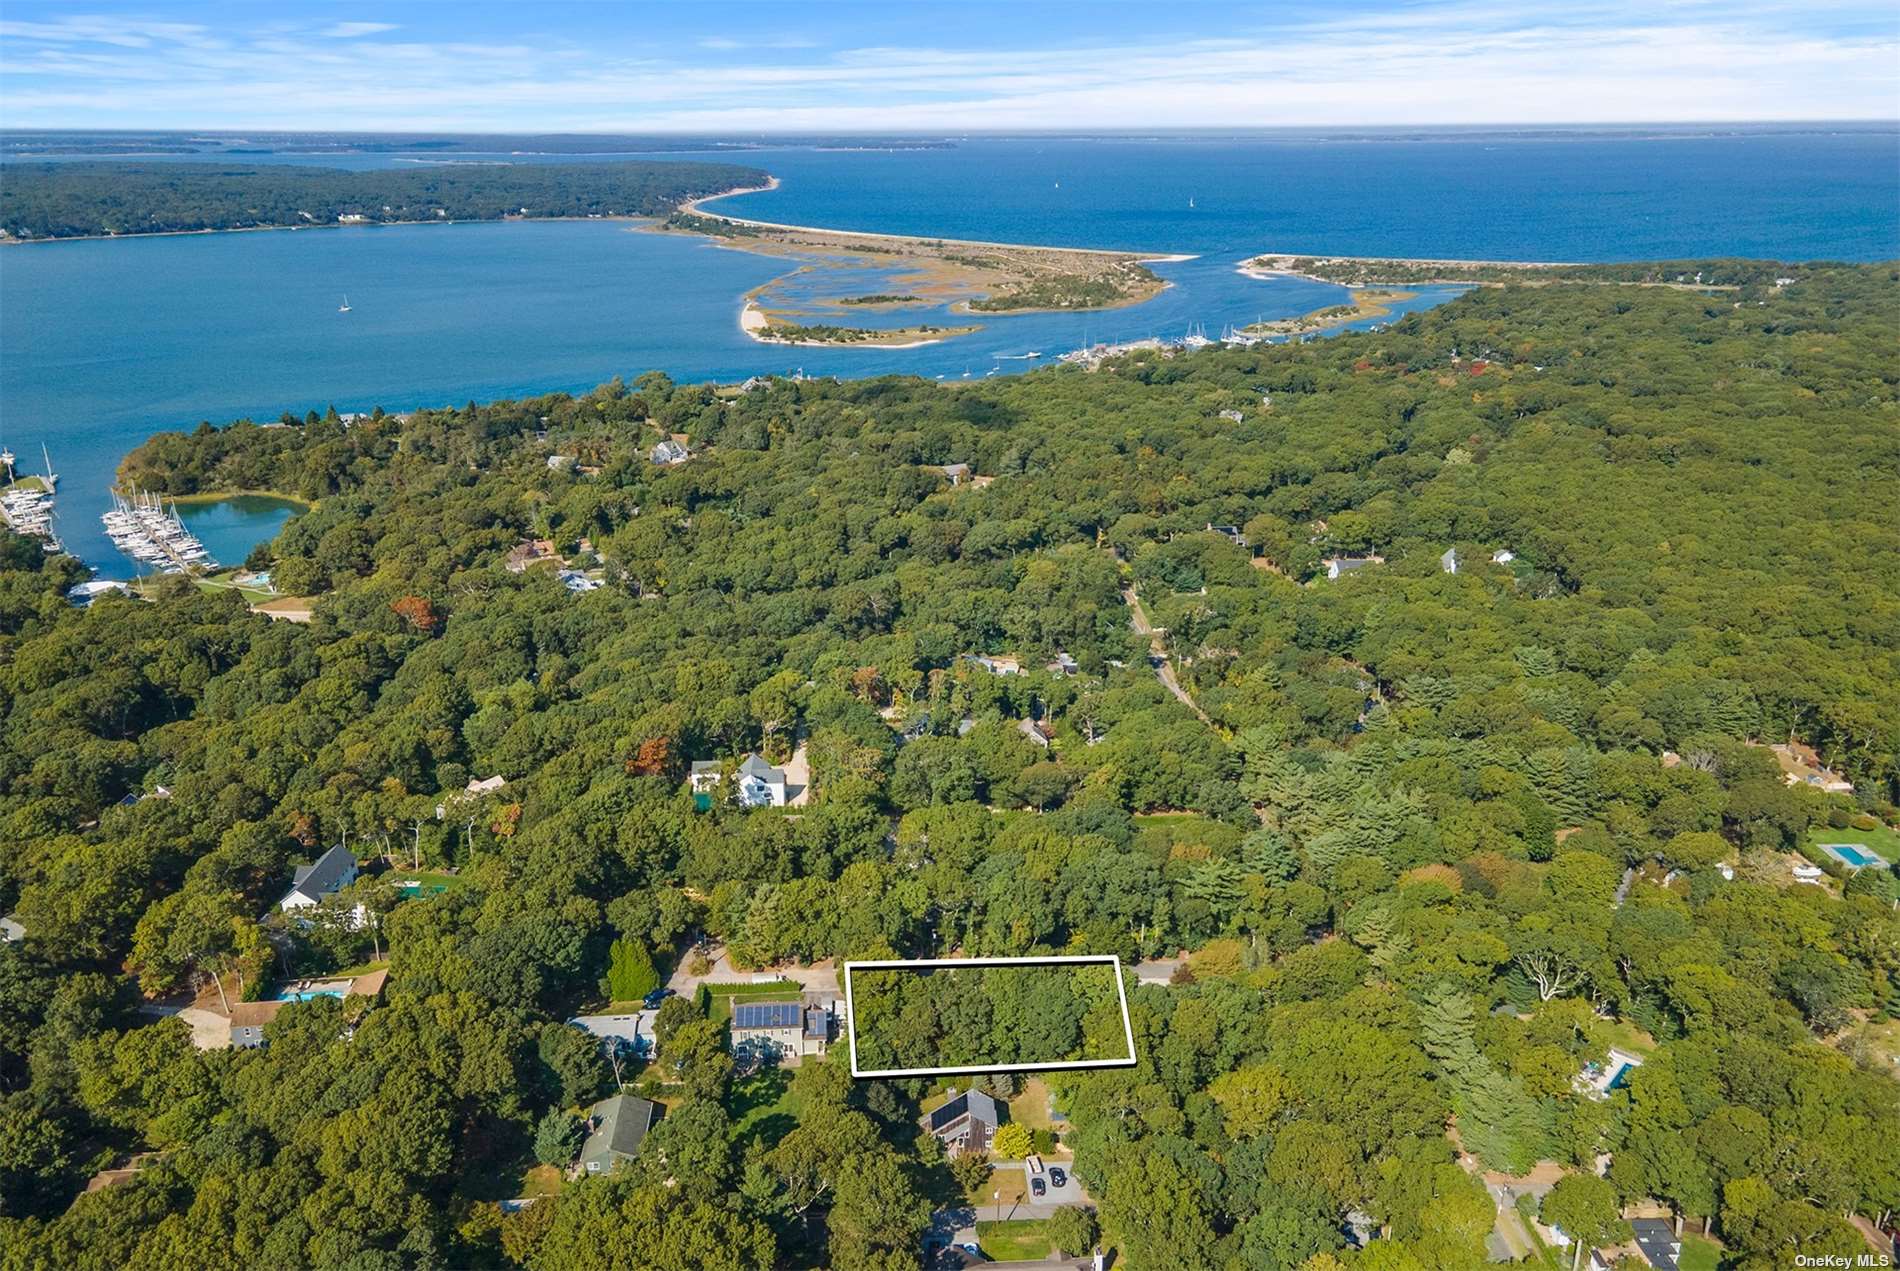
x=615, y=1129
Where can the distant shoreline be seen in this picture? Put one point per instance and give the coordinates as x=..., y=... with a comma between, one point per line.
x=694, y=206
x=1252, y=266
x=11, y=241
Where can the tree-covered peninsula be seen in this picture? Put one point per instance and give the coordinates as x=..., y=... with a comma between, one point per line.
x=82, y=199
x=1449, y=718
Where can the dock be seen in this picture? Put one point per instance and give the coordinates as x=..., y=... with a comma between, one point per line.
x=144, y=528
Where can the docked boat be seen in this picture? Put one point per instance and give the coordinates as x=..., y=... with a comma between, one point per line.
x=144, y=528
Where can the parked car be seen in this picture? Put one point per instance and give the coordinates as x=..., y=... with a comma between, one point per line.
x=1037, y=1187
x=1057, y=1176
x=652, y=1000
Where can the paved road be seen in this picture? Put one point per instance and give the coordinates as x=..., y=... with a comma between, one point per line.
x=1158, y=654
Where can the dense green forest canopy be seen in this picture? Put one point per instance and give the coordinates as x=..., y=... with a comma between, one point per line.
x=67, y=200
x=1434, y=841
x=970, y=1016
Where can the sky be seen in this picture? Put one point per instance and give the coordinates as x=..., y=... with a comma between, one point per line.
x=893, y=66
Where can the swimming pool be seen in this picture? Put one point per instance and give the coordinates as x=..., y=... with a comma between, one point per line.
x=305, y=995
x=1853, y=854
x=1619, y=1077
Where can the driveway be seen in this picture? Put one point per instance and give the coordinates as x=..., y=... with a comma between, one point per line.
x=819, y=977
x=1158, y=654
x=1066, y=1196
x=1157, y=970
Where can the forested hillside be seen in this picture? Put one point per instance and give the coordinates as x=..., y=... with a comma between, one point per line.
x=1433, y=841
x=68, y=200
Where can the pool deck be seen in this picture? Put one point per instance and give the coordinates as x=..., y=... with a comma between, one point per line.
x=1854, y=855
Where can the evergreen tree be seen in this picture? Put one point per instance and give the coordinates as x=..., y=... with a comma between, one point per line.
x=557, y=1137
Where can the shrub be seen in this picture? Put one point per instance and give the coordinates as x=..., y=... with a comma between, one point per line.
x=1012, y=1142
x=1073, y=1230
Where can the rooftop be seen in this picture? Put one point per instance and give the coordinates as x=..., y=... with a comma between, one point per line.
x=750, y=1015
x=971, y=1103
x=620, y=1126
x=324, y=875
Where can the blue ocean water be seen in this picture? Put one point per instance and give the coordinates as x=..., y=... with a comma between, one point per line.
x=103, y=343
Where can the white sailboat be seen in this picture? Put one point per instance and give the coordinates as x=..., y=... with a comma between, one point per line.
x=51, y=478
x=345, y=306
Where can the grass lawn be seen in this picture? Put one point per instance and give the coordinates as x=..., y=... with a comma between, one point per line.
x=1011, y=1183
x=1880, y=840
x=363, y=969
x=542, y=1180
x=218, y=582
x=1624, y=1035
x=1031, y=1107
x=1698, y=1255
x=1023, y=1239
x=762, y=1106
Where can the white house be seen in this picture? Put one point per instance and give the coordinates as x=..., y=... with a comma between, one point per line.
x=1503, y=556
x=704, y=775
x=760, y=784
x=330, y=873
x=1449, y=561
x=668, y=453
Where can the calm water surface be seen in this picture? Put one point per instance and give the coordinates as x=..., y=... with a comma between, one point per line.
x=102, y=343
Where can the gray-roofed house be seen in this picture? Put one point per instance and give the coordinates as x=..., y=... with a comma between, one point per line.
x=760, y=784
x=1229, y=532
x=1657, y=1241
x=11, y=930
x=616, y=1127
x=330, y=873
x=1449, y=561
x=669, y=453
x=619, y=1034
x=1037, y=732
x=1337, y=565
x=966, y=1123
x=957, y=472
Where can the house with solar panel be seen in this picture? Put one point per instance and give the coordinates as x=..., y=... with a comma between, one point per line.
x=966, y=1123
x=780, y=1032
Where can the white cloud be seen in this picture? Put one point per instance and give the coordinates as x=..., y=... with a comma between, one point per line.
x=1615, y=61
x=352, y=30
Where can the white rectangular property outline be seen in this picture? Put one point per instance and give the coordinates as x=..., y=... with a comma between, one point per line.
x=916, y=964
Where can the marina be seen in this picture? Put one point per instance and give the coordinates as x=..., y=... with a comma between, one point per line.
x=26, y=504
x=145, y=528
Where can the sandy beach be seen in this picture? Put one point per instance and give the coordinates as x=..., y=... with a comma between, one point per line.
x=697, y=207
x=755, y=322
